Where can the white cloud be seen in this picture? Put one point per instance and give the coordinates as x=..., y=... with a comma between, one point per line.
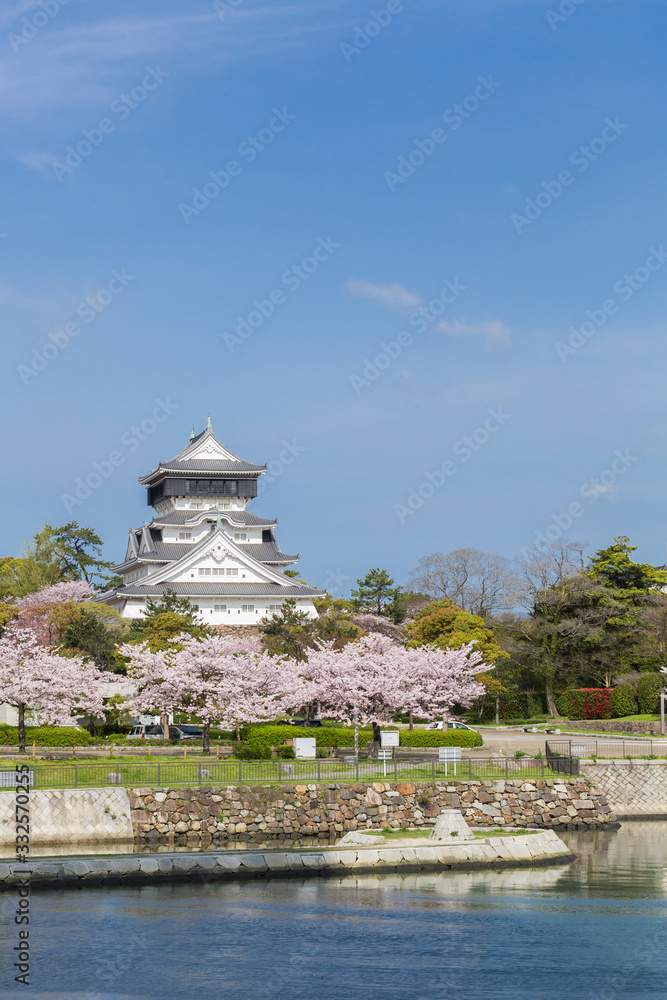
x=492, y=331
x=394, y=296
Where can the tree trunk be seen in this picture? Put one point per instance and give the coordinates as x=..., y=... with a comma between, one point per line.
x=356, y=737
x=206, y=741
x=497, y=709
x=21, y=711
x=551, y=701
x=410, y=721
x=376, y=733
x=164, y=722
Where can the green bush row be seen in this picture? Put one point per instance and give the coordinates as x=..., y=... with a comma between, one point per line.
x=268, y=736
x=648, y=692
x=47, y=736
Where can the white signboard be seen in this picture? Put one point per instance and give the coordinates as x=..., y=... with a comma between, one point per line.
x=390, y=738
x=449, y=753
x=304, y=746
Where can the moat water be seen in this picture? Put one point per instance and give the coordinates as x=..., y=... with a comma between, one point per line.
x=592, y=930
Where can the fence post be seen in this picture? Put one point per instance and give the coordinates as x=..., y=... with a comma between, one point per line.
x=395, y=770
x=199, y=773
x=280, y=770
x=318, y=769
x=433, y=770
x=507, y=768
x=240, y=782
x=469, y=768
x=357, y=767
x=76, y=775
x=542, y=763
x=158, y=774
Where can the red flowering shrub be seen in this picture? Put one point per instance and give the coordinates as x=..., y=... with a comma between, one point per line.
x=587, y=703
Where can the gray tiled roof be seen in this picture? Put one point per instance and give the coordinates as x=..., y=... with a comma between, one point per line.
x=218, y=590
x=183, y=516
x=266, y=552
x=210, y=465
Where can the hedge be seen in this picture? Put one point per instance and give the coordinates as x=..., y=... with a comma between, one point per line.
x=266, y=736
x=648, y=692
x=47, y=736
x=585, y=703
x=623, y=701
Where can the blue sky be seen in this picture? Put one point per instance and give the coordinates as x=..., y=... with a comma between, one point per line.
x=158, y=98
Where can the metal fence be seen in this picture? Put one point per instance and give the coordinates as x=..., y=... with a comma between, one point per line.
x=170, y=773
x=605, y=747
x=561, y=760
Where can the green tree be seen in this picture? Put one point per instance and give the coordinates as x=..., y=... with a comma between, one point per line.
x=288, y=631
x=446, y=626
x=613, y=567
x=74, y=551
x=163, y=620
x=376, y=593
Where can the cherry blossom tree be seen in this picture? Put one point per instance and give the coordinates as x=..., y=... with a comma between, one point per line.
x=52, y=687
x=36, y=610
x=221, y=678
x=373, y=678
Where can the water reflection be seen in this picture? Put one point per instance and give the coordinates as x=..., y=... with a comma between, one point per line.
x=593, y=930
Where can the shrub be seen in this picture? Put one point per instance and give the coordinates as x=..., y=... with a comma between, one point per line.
x=623, y=700
x=325, y=737
x=648, y=692
x=587, y=703
x=252, y=751
x=286, y=753
x=438, y=738
x=47, y=736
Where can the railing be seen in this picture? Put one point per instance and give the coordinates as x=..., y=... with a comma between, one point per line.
x=605, y=747
x=559, y=758
x=167, y=773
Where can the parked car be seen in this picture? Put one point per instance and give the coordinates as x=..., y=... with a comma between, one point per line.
x=311, y=724
x=145, y=733
x=185, y=732
x=452, y=725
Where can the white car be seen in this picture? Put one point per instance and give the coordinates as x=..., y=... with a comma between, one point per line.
x=451, y=725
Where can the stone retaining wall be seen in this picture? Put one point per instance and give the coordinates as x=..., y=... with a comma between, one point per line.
x=539, y=849
x=635, y=789
x=261, y=812
x=636, y=728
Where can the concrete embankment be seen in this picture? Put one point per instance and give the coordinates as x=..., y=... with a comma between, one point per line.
x=635, y=789
x=543, y=847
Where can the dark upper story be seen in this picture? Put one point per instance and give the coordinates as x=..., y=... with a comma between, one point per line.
x=205, y=468
x=210, y=486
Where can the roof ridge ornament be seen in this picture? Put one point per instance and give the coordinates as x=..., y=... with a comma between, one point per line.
x=209, y=425
x=192, y=433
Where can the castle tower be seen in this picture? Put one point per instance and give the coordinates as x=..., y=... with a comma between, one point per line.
x=204, y=544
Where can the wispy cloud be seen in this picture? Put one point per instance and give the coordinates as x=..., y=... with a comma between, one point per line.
x=394, y=296
x=491, y=331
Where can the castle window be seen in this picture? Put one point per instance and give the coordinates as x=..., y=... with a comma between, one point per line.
x=247, y=608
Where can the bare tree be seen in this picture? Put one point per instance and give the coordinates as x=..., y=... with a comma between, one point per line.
x=478, y=582
x=547, y=566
